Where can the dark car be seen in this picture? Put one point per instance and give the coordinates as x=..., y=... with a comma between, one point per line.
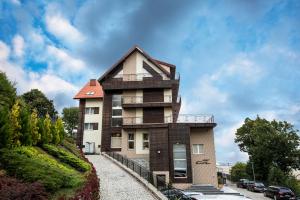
x=242, y=183
x=247, y=184
x=256, y=187
x=175, y=194
x=279, y=193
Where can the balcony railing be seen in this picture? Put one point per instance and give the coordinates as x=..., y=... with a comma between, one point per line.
x=139, y=99
x=199, y=118
x=139, y=120
x=144, y=76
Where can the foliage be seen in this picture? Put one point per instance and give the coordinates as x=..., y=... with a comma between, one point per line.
x=5, y=128
x=8, y=92
x=59, y=127
x=238, y=171
x=11, y=188
x=67, y=157
x=37, y=100
x=15, y=124
x=55, y=135
x=30, y=164
x=69, y=144
x=25, y=138
x=47, y=133
x=34, y=128
x=70, y=118
x=263, y=141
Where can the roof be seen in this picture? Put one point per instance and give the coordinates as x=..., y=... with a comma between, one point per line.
x=164, y=63
x=91, y=90
x=132, y=50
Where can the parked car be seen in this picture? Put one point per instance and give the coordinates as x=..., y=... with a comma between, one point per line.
x=256, y=187
x=175, y=194
x=242, y=183
x=279, y=193
x=248, y=184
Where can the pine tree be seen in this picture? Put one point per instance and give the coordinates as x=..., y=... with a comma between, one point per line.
x=59, y=126
x=5, y=129
x=55, y=134
x=34, y=128
x=15, y=124
x=41, y=131
x=47, y=130
x=26, y=138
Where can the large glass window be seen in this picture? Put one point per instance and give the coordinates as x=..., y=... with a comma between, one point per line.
x=145, y=141
x=116, y=140
x=131, y=141
x=90, y=126
x=91, y=110
x=116, y=110
x=198, y=149
x=179, y=156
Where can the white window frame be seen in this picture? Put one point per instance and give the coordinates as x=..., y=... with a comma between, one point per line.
x=180, y=159
x=90, y=126
x=116, y=108
x=198, y=149
x=131, y=140
x=146, y=141
x=117, y=139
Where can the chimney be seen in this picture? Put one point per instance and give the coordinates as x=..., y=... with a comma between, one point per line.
x=93, y=82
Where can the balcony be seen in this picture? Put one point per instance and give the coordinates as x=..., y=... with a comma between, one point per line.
x=198, y=118
x=139, y=81
x=137, y=122
x=138, y=101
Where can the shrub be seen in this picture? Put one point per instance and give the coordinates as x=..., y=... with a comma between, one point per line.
x=70, y=145
x=30, y=165
x=11, y=188
x=67, y=157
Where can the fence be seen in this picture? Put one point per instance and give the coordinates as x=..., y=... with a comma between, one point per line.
x=156, y=181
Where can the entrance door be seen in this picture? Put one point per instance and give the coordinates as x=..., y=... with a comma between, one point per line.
x=161, y=181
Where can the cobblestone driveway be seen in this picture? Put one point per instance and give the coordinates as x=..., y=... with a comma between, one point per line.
x=115, y=183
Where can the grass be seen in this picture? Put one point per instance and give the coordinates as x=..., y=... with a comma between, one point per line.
x=32, y=164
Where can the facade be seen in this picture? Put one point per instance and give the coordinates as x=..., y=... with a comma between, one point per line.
x=90, y=117
x=140, y=119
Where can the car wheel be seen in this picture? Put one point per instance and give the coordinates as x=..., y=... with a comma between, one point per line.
x=275, y=197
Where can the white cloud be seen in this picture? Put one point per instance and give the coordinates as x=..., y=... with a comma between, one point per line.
x=63, y=29
x=18, y=45
x=4, y=51
x=66, y=62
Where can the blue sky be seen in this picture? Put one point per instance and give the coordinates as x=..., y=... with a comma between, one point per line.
x=236, y=58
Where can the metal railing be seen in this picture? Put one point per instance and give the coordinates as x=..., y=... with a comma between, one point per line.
x=146, y=174
x=139, y=120
x=139, y=99
x=198, y=118
x=144, y=76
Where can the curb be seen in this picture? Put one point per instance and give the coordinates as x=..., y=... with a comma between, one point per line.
x=146, y=184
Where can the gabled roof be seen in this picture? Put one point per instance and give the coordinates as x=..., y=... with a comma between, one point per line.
x=91, y=90
x=132, y=50
x=164, y=63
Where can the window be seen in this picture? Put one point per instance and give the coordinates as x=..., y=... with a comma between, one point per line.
x=91, y=110
x=145, y=141
x=198, y=149
x=90, y=126
x=116, y=140
x=116, y=111
x=130, y=140
x=179, y=156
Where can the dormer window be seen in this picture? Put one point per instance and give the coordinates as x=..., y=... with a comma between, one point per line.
x=90, y=93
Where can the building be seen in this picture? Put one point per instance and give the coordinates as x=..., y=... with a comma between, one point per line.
x=90, y=117
x=140, y=119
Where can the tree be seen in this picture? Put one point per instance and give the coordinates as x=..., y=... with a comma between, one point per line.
x=37, y=100
x=5, y=128
x=8, y=93
x=238, y=171
x=263, y=141
x=15, y=124
x=47, y=130
x=59, y=127
x=55, y=134
x=70, y=118
x=34, y=128
x=25, y=138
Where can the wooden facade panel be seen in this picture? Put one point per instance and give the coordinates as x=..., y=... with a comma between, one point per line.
x=153, y=115
x=153, y=95
x=159, y=151
x=180, y=134
x=80, y=129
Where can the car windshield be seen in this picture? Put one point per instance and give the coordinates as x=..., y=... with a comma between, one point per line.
x=259, y=184
x=285, y=190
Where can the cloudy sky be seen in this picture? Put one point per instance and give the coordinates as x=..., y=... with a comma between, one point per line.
x=236, y=58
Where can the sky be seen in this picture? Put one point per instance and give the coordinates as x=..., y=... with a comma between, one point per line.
x=236, y=58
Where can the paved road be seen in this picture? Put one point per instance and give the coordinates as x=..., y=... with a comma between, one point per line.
x=115, y=183
x=246, y=193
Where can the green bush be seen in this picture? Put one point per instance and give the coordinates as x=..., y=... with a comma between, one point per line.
x=67, y=157
x=30, y=164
